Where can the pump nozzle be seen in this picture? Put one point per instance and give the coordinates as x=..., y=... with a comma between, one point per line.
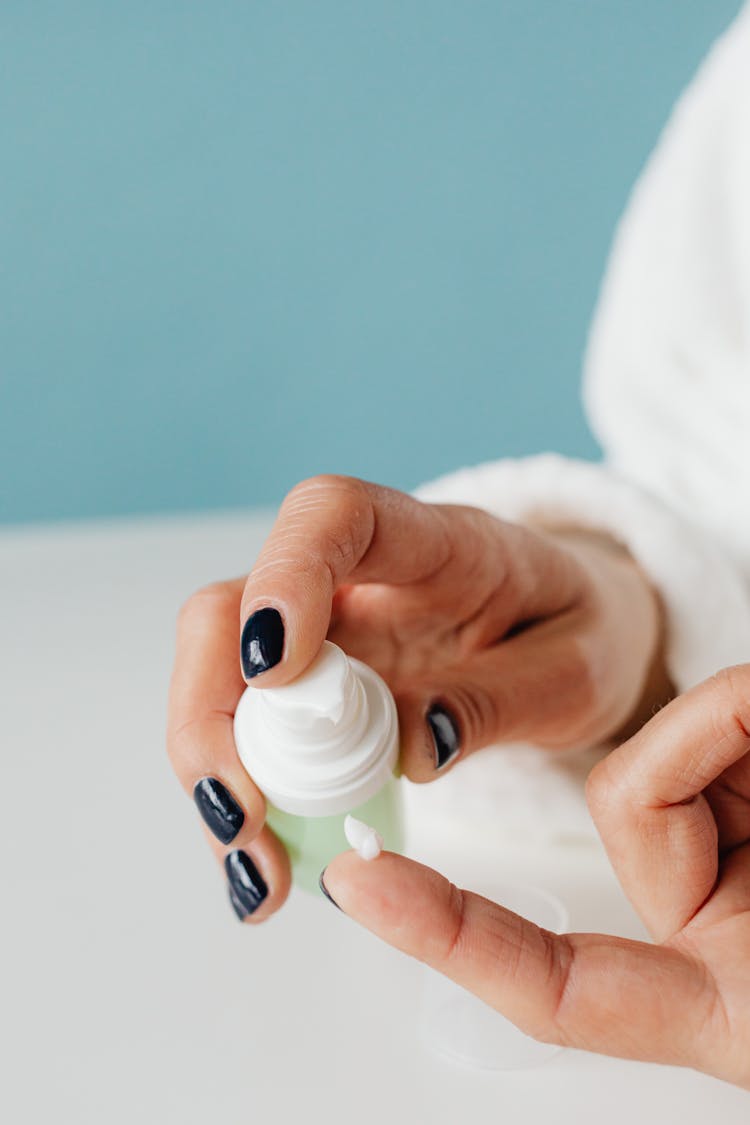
x=318, y=700
x=324, y=743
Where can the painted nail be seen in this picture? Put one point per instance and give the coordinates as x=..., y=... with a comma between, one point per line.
x=217, y=806
x=245, y=880
x=262, y=642
x=324, y=889
x=445, y=735
x=237, y=906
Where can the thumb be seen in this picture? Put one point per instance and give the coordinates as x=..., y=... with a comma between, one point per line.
x=592, y=991
x=330, y=530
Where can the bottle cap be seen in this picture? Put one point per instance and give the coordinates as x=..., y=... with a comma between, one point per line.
x=323, y=744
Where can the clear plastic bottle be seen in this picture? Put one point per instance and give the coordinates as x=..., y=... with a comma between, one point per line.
x=318, y=748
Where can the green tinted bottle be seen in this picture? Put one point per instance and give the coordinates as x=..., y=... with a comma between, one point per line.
x=320, y=747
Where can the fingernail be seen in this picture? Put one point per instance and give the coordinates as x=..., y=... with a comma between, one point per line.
x=324, y=889
x=237, y=906
x=217, y=806
x=245, y=880
x=262, y=642
x=445, y=735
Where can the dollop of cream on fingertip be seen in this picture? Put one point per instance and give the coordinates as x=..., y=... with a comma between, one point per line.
x=362, y=838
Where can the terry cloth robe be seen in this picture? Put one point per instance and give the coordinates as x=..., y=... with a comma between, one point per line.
x=667, y=392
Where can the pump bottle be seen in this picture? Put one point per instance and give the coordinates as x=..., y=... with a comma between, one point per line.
x=318, y=748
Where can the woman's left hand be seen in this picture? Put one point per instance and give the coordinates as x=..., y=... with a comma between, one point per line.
x=673, y=809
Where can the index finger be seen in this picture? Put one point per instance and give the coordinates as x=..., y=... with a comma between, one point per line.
x=593, y=991
x=330, y=529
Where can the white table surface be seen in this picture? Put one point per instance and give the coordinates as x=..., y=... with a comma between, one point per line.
x=129, y=991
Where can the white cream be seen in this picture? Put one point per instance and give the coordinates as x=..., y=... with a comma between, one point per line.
x=364, y=839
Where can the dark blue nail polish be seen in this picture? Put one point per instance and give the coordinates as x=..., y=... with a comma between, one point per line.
x=262, y=643
x=237, y=906
x=445, y=735
x=245, y=881
x=217, y=806
x=324, y=889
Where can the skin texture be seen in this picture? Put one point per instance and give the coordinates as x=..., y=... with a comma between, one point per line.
x=673, y=808
x=551, y=637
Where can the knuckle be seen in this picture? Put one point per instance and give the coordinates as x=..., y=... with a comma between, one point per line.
x=189, y=744
x=477, y=710
x=546, y=1020
x=454, y=943
x=337, y=550
x=730, y=688
x=561, y=975
x=208, y=602
x=603, y=790
x=174, y=747
x=343, y=534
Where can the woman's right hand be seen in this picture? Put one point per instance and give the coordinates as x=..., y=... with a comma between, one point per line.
x=672, y=805
x=485, y=632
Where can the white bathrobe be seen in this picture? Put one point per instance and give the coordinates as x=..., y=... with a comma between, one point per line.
x=667, y=391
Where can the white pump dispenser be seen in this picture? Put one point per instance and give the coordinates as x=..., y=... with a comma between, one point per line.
x=325, y=743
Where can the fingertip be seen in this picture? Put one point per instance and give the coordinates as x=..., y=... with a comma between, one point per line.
x=247, y=884
x=239, y=910
x=280, y=638
x=348, y=879
x=261, y=642
x=324, y=889
x=258, y=877
x=382, y=892
x=222, y=813
x=431, y=741
x=234, y=813
x=445, y=733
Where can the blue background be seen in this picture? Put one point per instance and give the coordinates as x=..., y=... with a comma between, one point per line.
x=244, y=242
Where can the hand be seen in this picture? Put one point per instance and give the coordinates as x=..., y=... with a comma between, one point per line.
x=673, y=808
x=485, y=631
